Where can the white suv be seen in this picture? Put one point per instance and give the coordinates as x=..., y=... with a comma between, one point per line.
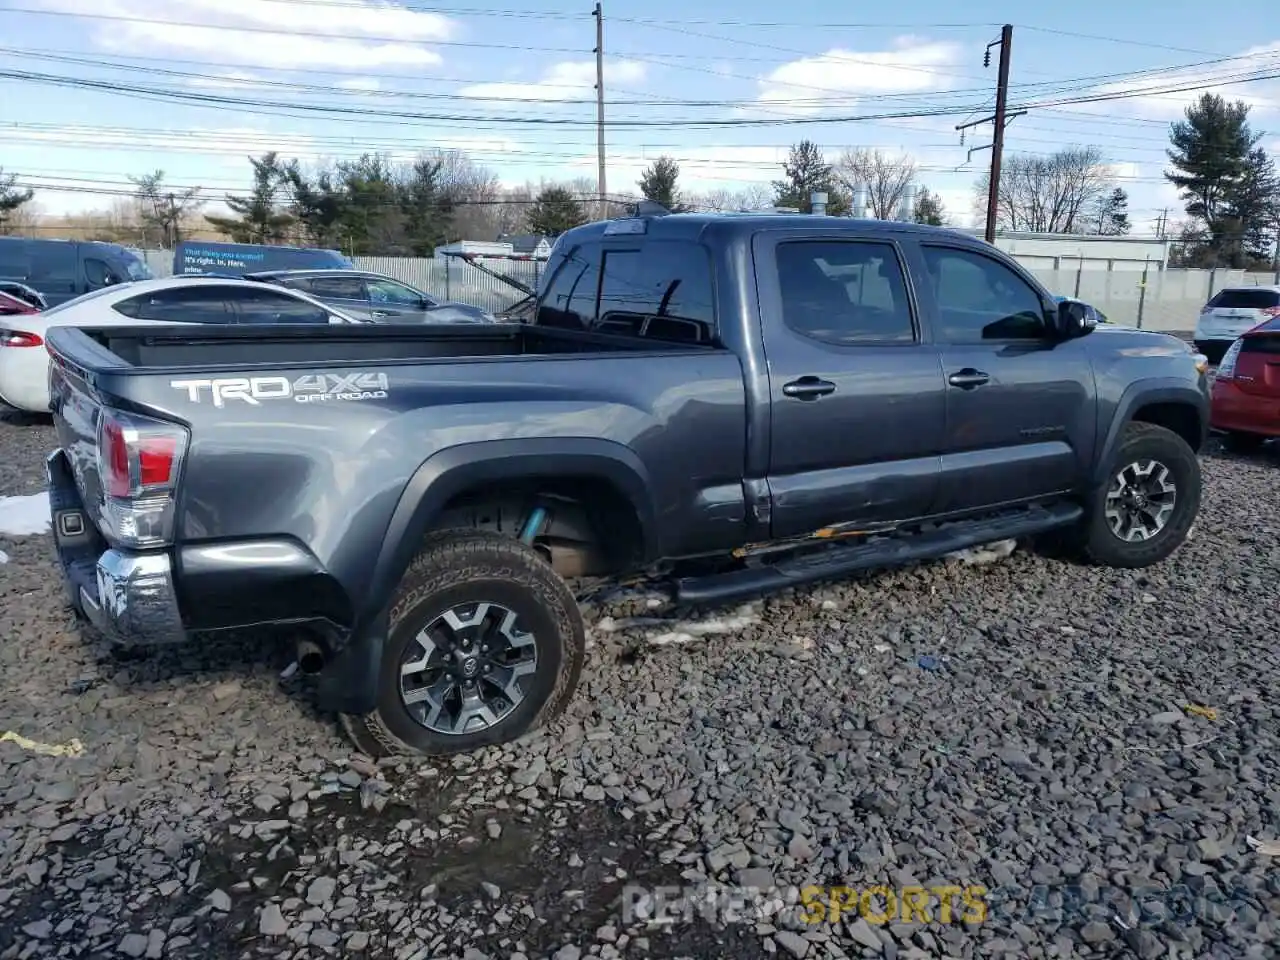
x=1231, y=312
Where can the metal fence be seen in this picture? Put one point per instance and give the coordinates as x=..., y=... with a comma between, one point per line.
x=454, y=279
x=1154, y=299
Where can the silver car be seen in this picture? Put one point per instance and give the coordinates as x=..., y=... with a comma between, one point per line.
x=374, y=296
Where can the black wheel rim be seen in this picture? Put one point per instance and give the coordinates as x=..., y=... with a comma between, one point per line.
x=465, y=671
x=1140, y=501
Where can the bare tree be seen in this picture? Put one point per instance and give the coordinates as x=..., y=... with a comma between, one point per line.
x=1047, y=194
x=755, y=196
x=886, y=178
x=163, y=208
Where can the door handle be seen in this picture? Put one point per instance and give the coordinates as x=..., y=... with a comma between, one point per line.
x=968, y=378
x=380, y=313
x=808, y=388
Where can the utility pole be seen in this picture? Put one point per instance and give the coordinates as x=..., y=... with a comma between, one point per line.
x=1000, y=119
x=600, y=187
x=1160, y=222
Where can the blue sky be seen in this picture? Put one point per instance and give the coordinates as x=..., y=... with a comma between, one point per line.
x=480, y=64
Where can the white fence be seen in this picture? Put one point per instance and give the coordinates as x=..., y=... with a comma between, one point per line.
x=1167, y=300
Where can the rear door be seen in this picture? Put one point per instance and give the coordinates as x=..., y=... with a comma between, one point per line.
x=346, y=293
x=1020, y=421
x=856, y=391
x=55, y=270
x=392, y=302
x=1236, y=309
x=266, y=306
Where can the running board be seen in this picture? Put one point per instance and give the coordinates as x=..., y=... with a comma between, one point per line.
x=838, y=561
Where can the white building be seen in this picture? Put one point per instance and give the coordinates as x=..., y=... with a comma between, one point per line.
x=1068, y=252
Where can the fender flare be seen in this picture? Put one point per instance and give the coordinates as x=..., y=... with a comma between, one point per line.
x=453, y=470
x=1139, y=394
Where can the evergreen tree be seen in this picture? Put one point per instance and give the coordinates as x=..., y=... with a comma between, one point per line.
x=806, y=171
x=259, y=218
x=1111, y=214
x=11, y=198
x=427, y=210
x=1220, y=175
x=553, y=212
x=659, y=184
x=929, y=209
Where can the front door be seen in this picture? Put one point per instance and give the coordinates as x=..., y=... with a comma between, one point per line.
x=1021, y=417
x=392, y=302
x=857, y=403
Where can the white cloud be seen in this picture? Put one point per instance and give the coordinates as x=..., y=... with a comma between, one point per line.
x=910, y=66
x=354, y=32
x=1124, y=171
x=569, y=80
x=1260, y=96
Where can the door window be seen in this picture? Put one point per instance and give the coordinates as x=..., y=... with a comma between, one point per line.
x=271, y=306
x=189, y=305
x=99, y=273
x=844, y=292
x=570, y=297
x=981, y=299
x=336, y=288
x=394, y=294
x=662, y=291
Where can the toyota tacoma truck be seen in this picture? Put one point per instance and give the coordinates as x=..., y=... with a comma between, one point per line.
x=739, y=403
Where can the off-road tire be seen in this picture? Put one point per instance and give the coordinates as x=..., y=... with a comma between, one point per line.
x=460, y=566
x=1237, y=441
x=1097, y=544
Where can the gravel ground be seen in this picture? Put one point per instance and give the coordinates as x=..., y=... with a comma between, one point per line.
x=1046, y=749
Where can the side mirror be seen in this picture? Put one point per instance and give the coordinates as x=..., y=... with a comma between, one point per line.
x=1073, y=320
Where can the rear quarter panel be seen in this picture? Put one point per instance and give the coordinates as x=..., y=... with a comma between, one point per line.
x=330, y=473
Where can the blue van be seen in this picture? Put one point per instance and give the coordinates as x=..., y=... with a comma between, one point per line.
x=61, y=270
x=236, y=259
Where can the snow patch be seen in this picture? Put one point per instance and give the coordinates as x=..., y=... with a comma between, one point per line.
x=4, y=557
x=24, y=516
x=987, y=553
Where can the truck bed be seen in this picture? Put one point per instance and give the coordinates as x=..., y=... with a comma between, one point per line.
x=147, y=349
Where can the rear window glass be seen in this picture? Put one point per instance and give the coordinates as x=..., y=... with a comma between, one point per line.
x=1245, y=299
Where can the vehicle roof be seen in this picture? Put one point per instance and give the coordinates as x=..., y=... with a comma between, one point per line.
x=1243, y=288
x=691, y=226
x=45, y=240
x=321, y=272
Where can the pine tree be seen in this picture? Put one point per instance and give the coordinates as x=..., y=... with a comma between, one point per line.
x=553, y=212
x=807, y=172
x=259, y=219
x=11, y=198
x=1111, y=214
x=659, y=184
x=929, y=209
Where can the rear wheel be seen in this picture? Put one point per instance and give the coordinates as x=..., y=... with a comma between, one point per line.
x=1151, y=497
x=486, y=643
x=1238, y=441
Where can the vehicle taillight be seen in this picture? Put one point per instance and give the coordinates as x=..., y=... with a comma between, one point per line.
x=139, y=459
x=20, y=338
x=1227, y=368
x=1272, y=311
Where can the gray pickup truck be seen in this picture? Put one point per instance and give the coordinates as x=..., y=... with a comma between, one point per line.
x=740, y=402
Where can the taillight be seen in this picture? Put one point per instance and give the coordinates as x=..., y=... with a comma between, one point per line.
x=1227, y=368
x=139, y=459
x=1272, y=311
x=20, y=338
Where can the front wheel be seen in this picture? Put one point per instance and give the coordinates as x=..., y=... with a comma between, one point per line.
x=1143, y=512
x=485, y=643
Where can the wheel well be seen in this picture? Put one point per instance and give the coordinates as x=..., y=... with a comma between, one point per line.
x=592, y=528
x=1181, y=418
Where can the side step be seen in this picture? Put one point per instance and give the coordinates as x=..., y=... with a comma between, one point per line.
x=838, y=561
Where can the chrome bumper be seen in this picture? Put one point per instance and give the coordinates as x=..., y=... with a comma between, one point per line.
x=135, y=603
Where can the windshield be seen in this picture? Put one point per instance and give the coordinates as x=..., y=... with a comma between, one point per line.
x=136, y=267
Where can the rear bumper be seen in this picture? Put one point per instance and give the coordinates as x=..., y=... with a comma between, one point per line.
x=1233, y=409
x=128, y=596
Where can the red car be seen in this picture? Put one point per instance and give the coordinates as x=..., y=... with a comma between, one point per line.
x=1246, y=391
x=11, y=306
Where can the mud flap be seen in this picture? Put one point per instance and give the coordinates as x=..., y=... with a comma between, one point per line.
x=349, y=682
